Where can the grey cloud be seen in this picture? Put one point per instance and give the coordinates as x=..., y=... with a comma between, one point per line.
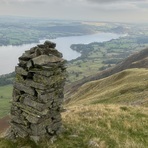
x=114, y=1
x=70, y=1
x=109, y=10
x=119, y=4
x=23, y=1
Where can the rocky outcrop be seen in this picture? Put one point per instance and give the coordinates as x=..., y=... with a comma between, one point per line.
x=38, y=93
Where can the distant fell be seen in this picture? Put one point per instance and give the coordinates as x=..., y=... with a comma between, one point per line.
x=129, y=87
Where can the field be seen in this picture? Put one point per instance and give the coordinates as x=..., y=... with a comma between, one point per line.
x=96, y=57
x=5, y=97
x=18, y=31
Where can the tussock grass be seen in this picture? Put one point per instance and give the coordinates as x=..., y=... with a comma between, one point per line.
x=109, y=125
x=101, y=115
x=128, y=87
x=99, y=126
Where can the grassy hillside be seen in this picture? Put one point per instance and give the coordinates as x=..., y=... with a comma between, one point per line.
x=97, y=126
x=98, y=115
x=137, y=60
x=127, y=87
x=107, y=113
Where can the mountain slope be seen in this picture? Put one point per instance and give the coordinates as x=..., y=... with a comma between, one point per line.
x=126, y=87
x=90, y=123
x=137, y=60
x=96, y=126
x=98, y=116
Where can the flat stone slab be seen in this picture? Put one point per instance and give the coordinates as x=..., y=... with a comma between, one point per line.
x=24, y=88
x=45, y=59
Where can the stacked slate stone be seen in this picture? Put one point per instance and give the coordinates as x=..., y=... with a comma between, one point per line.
x=38, y=93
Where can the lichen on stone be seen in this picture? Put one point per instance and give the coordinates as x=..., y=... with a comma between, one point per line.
x=38, y=93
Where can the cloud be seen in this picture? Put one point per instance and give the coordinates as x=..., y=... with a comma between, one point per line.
x=115, y=5
x=79, y=1
x=114, y=1
x=124, y=10
x=24, y=1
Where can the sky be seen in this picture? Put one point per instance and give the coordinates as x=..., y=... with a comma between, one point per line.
x=95, y=10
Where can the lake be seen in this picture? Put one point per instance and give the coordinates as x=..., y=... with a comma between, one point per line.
x=9, y=54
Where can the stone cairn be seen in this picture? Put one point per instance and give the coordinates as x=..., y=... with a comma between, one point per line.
x=38, y=93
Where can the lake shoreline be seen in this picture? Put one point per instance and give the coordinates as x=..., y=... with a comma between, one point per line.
x=38, y=41
x=9, y=54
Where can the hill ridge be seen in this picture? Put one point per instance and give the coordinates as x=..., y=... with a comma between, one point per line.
x=128, y=87
x=137, y=60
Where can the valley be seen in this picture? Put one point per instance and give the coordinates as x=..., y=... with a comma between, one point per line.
x=106, y=92
x=96, y=57
x=18, y=30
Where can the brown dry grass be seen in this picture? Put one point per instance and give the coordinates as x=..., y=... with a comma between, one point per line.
x=128, y=87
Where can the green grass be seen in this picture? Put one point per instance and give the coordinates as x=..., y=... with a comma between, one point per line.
x=93, y=126
x=6, y=91
x=93, y=120
x=97, y=118
x=5, y=97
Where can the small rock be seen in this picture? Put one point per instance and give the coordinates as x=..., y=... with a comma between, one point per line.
x=35, y=139
x=93, y=144
x=50, y=44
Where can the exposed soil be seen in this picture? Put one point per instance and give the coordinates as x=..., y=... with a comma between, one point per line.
x=4, y=123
